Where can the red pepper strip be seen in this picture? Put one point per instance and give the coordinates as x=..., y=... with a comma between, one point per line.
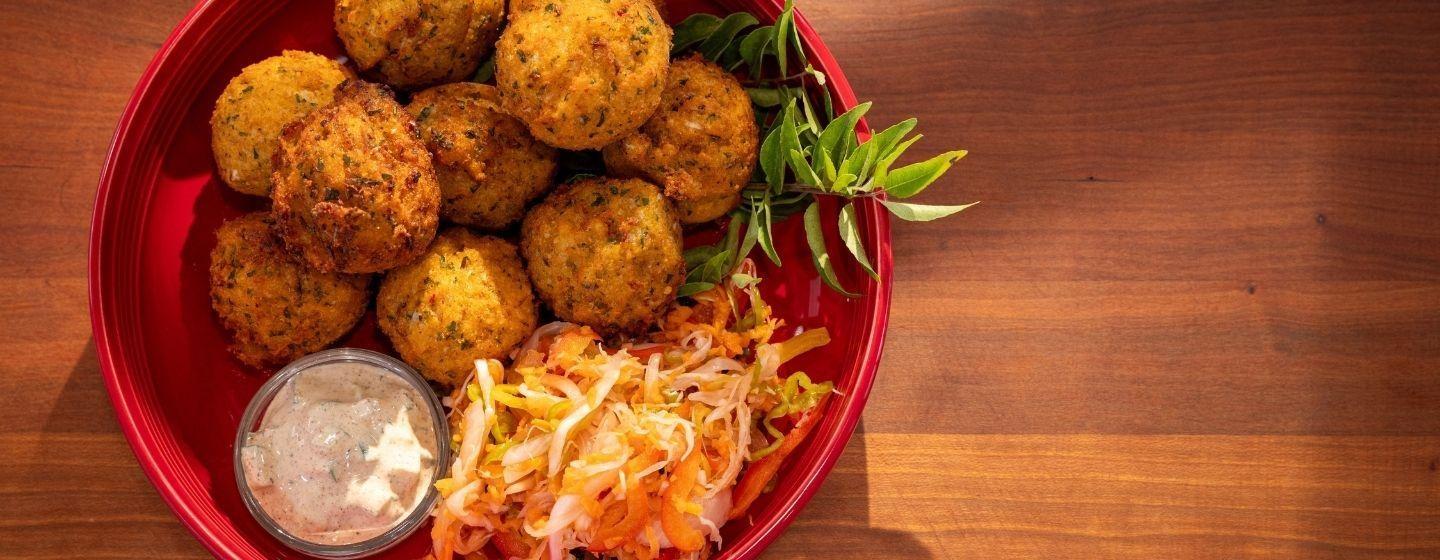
x=644, y=354
x=761, y=472
x=672, y=520
x=637, y=517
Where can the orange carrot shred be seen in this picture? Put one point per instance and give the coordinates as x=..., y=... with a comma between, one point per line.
x=672, y=519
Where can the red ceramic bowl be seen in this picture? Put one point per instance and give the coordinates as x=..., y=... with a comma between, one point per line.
x=176, y=390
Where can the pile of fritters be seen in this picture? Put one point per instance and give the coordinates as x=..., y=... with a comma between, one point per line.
x=360, y=184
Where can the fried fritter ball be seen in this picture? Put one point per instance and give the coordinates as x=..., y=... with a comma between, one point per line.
x=411, y=44
x=701, y=146
x=605, y=253
x=488, y=165
x=355, y=190
x=467, y=298
x=277, y=308
x=582, y=73
x=261, y=100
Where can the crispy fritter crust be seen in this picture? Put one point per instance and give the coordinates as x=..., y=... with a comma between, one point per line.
x=355, y=190
x=411, y=44
x=467, y=298
x=605, y=253
x=582, y=73
x=257, y=104
x=701, y=146
x=488, y=165
x=277, y=308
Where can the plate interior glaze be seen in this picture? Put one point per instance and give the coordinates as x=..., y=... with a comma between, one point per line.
x=179, y=394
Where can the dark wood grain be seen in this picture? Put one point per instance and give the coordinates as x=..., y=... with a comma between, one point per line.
x=1196, y=316
x=1102, y=496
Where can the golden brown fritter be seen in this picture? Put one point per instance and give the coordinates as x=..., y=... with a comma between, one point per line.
x=582, y=73
x=488, y=165
x=277, y=308
x=701, y=146
x=257, y=104
x=467, y=298
x=411, y=44
x=355, y=190
x=605, y=253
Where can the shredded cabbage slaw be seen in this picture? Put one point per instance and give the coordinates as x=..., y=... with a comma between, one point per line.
x=642, y=452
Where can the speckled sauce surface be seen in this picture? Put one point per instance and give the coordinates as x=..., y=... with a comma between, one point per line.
x=345, y=451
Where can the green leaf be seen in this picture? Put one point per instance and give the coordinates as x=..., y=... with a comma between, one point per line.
x=794, y=35
x=731, y=245
x=882, y=169
x=743, y=281
x=804, y=174
x=485, y=72
x=696, y=256
x=691, y=288
x=747, y=244
x=815, y=237
x=784, y=28
x=765, y=236
x=889, y=138
x=827, y=169
x=899, y=150
x=850, y=234
x=868, y=156
x=713, y=270
x=774, y=151
x=732, y=236
x=751, y=196
x=764, y=97
x=908, y=181
x=812, y=122
x=818, y=75
x=772, y=158
x=725, y=33
x=829, y=102
x=856, y=160
x=922, y=212
x=840, y=134
x=789, y=142
x=818, y=154
x=789, y=204
x=730, y=59
x=843, y=182
x=755, y=46
x=693, y=30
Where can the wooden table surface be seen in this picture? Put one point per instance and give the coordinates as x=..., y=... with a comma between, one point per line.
x=1197, y=315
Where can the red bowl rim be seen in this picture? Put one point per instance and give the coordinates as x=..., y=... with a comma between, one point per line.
x=147, y=435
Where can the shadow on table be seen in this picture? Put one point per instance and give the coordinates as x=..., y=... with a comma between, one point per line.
x=82, y=406
x=79, y=447
x=838, y=523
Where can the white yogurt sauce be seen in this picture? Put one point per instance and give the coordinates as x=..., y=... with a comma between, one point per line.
x=345, y=451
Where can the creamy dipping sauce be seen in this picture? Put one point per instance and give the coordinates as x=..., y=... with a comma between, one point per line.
x=344, y=453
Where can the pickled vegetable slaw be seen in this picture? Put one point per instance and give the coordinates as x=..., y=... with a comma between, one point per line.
x=639, y=452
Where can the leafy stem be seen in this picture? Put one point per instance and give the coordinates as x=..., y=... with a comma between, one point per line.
x=807, y=151
x=812, y=190
x=793, y=78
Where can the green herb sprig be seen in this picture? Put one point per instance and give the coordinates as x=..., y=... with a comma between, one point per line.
x=807, y=152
